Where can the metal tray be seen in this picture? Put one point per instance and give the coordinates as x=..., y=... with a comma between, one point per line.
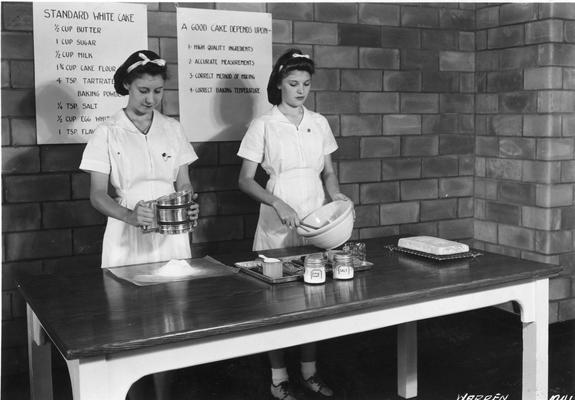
x=293, y=269
x=254, y=268
x=467, y=254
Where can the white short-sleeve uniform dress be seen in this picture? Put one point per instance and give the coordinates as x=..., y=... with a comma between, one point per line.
x=141, y=167
x=293, y=157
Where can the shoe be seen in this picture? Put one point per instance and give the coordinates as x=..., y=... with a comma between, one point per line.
x=317, y=386
x=282, y=391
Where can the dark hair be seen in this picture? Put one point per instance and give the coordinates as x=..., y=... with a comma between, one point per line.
x=122, y=76
x=291, y=60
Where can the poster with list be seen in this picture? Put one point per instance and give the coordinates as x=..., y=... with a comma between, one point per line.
x=77, y=48
x=224, y=62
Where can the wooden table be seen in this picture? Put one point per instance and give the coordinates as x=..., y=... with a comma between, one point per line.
x=112, y=333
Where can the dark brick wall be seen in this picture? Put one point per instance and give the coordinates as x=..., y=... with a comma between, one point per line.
x=525, y=139
x=452, y=120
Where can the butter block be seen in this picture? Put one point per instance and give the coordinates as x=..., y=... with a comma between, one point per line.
x=433, y=245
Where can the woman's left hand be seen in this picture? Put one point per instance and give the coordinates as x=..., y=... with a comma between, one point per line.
x=194, y=211
x=340, y=196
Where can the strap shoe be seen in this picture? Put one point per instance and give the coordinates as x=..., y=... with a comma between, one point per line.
x=316, y=385
x=282, y=391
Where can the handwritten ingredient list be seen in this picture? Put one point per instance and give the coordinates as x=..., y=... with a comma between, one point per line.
x=224, y=62
x=77, y=48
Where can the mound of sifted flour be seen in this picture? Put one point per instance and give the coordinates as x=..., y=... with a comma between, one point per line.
x=175, y=268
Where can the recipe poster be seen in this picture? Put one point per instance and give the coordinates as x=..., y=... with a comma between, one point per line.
x=77, y=48
x=224, y=63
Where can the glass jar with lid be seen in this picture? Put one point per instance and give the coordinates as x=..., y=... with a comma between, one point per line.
x=314, y=269
x=343, y=266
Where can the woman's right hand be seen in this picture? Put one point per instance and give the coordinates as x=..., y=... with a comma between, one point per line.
x=287, y=215
x=141, y=215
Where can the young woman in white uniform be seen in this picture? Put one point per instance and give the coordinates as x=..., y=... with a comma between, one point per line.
x=294, y=146
x=143, y=155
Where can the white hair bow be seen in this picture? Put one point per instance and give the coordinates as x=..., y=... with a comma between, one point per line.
x=294, y=55
x=144, y=60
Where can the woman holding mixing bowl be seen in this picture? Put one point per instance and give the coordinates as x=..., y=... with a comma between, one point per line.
x=143, y=155
x=294, y=146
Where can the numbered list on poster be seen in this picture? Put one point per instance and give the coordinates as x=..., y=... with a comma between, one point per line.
x=224, y=62
x=77, y=48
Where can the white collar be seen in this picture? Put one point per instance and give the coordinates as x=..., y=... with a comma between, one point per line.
x=280, y=115
x=123, y=121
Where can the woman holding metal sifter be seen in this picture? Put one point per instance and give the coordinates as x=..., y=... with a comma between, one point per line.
x=143, y=154
x=294, y=146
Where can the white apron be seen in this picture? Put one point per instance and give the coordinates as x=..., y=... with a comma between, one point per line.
x=302, y=190
x=125, y=244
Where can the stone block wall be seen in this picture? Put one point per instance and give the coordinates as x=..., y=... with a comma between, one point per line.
x=525, y=138
x=422, y=105
x=401, y=102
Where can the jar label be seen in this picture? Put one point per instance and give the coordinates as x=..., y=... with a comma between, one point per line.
x=343, y=272
x=314, y=275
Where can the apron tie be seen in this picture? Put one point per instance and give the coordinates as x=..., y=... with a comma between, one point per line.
x=128, y=197
x=304, y=173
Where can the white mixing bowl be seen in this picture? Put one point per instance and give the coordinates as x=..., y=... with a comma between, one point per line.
x=335, y=222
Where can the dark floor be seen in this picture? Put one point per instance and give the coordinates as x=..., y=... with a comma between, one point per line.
x=474, y=353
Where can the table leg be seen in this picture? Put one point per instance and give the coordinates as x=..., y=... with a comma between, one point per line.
x=407, y=360
x=92, y=380
x=536, y=344
x=39, y=359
